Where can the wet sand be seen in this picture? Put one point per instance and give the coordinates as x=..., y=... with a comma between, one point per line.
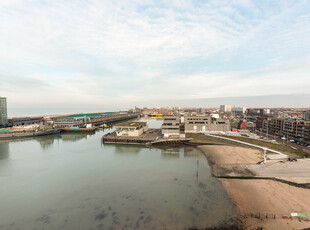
x=260, y=196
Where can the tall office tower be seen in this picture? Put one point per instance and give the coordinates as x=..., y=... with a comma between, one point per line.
x=3, y=112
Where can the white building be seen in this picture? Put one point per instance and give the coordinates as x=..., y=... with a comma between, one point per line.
x=132, y=129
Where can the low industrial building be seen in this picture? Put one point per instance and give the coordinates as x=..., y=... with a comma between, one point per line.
x=69, y=122
x=132, y=129
x=21, y=121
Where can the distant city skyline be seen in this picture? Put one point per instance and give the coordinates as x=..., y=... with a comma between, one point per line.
x=80, y=56
x=282, y=101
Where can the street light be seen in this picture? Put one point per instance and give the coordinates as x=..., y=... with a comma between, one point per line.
x=265, y=150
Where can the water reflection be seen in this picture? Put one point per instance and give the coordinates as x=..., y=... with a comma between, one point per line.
x=181, y=152
x=127, y=149
x=4, y=150
x=75, y=137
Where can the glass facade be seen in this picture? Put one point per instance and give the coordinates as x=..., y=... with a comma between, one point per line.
x=3, y=112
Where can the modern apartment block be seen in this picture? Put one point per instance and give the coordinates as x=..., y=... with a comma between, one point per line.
x=292, y=129
x=3, y=112
x=179, y=125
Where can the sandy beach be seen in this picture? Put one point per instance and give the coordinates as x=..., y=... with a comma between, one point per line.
x=259, y=196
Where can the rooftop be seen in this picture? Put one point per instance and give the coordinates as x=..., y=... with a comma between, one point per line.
x=131, y=124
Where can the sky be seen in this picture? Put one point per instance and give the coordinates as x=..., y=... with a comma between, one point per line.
x=96, y=55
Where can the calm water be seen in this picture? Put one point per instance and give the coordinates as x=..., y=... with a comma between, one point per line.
x=71, y=181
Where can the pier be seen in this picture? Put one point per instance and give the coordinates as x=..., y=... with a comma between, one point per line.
x=108, y=119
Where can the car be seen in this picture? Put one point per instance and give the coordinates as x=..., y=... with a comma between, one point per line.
x=283, y=138
x=297, y=142
x=291, y=159
x=308, y=146
x=292, y=141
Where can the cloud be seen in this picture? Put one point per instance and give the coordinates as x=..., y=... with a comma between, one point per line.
x=117, y=52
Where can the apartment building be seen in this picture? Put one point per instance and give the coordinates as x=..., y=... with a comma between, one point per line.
x=292, y=129
x=3, y=112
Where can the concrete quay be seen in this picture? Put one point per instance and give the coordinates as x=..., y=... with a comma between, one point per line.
x=294, y=172
x=32, y=133
x=150, y=137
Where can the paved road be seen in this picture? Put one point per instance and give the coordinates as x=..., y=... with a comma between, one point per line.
x=293, y=171
x=301, y=168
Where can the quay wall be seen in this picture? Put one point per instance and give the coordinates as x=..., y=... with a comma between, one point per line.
x=15, y=135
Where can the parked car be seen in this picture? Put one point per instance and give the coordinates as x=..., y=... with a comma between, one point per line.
x=291, y=159
x=292, y=141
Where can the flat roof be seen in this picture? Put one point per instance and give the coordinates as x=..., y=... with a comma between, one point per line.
x=131, y=124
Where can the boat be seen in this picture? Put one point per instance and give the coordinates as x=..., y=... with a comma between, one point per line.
x=104, y=126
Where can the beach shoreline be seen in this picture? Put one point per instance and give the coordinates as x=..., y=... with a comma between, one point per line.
x=260, y=203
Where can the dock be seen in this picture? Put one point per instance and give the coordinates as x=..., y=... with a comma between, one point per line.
x=150, y=137
x=114, y=118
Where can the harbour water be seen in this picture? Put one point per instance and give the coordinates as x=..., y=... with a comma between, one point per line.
x=73, y=181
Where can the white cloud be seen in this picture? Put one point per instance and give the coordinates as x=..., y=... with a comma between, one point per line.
x=126, y=51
